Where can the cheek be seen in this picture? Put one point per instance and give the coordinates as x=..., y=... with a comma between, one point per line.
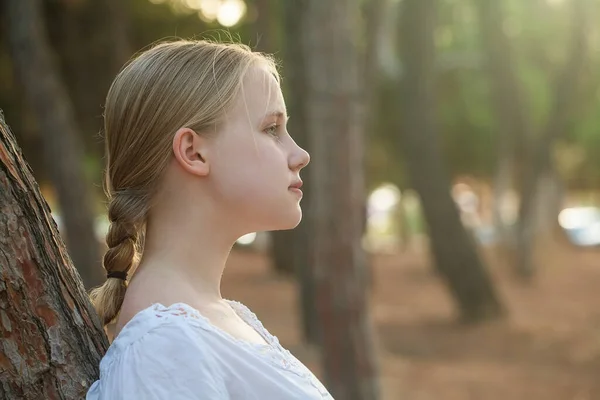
x=254, y=188
x=252, y=173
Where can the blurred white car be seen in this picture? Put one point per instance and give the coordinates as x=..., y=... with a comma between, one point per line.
x=582, y=225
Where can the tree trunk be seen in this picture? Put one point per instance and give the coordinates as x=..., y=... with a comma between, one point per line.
x=541, y=163
x=405, y=233
x=502, y=185
x=369, y=84
x=51, y=338
x=264, y=30
x=374, y=13
x=33, y=63
x=335, y=124
x=549, y=204
x=118, y=22
x=454, y=251
x=509, y=105
x=299, y=240
x=282, y=251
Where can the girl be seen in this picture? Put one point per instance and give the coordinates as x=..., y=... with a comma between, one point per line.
x=198, y=155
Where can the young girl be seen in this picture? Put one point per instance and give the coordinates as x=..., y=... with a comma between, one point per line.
x=198, y=155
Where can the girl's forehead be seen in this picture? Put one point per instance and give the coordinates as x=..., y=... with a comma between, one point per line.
x=261, y=93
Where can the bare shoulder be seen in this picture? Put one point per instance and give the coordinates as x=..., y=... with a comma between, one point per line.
x=131, y=306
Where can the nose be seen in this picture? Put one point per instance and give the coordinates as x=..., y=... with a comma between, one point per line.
x=299, y=158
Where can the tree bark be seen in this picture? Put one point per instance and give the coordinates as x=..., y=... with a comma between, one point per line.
x=335, y=124
x=454, y=251
x=541, y=164
x=33, y=63
x=51, y=340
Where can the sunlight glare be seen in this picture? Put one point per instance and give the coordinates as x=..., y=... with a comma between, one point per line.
x=384, y=197
x=247, y=239
x=578, y=217
x=210, y=9
x=193, y=4
x=231, y=12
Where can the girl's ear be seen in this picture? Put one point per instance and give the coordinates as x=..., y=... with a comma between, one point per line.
x=190, y=150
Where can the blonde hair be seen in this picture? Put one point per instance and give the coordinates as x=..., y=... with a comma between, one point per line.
x=172, y=85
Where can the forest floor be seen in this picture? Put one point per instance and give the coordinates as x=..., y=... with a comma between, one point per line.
x=547, y=347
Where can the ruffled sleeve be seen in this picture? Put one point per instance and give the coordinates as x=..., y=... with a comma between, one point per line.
x=169, y=361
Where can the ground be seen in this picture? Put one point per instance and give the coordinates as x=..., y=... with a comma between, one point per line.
x=547, y=347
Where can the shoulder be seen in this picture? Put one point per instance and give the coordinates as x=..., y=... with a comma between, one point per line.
x=163, y=331
x=160, y=352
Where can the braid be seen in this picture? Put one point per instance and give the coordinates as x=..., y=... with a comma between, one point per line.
x=126, y=214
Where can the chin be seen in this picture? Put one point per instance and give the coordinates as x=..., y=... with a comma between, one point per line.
x=288, y=222
x=273, y=217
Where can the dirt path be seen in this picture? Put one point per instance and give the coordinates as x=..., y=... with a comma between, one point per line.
x=547, y=348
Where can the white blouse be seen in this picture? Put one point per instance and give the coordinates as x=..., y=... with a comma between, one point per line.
x=175, y=353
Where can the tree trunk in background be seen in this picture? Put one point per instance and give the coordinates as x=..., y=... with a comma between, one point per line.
x=299, y=240
x=502, y=185
x=541, y=163
x=550, y=197
x=374, y=14
x=117, y=21
x=335, y=123
x=454, y=251
x=72, y=48
x=509, y=105
x=51, y=340
x=264, y=30
x=370, y=84
x=34, y=63
x=92, y=42
x=282, y=249
x=405, y=234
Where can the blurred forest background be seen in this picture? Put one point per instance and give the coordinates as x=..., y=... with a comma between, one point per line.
x=476, y=128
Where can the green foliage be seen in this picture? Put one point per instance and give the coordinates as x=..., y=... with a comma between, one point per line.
x=467, y=127
x=539, y=34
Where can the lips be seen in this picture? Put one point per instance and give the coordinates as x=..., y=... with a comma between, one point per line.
x=296, y=185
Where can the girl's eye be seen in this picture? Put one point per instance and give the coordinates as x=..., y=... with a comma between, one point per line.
x=273, y=130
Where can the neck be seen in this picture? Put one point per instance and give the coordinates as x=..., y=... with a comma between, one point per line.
x=186, y=253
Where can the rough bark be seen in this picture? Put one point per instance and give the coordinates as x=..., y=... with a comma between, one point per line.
x=541, y=164
x=63, y=152
x=335, y=124
x=51, y=340
x=453, y=249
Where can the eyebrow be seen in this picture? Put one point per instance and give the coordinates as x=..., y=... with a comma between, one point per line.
x=278, y=114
